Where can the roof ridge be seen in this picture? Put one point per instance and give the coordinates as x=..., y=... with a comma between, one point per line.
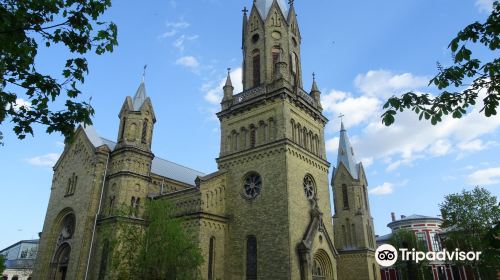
x=180, y=165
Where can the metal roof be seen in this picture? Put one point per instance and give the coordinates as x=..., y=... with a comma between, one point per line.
x=159, y=166
x=263, y=6
x=140, y=97
x=346, y=154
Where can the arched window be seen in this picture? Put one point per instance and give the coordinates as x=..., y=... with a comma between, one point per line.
x=345, y=197
x=309, y=186
x=256, y=67
x=211, y=259
x=68, y=188
x=243, y=139
x=144, y=131
x=276, y=53
x=75, y=181
x=365, y=194
x=252, y=136
x=132, y=206
x=111, y=205
x=251, y=258
x=122, y=129
x=294, y=134
x=104, y=260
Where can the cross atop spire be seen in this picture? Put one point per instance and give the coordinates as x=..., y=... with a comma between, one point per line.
x=341, y=117
x=245, y=10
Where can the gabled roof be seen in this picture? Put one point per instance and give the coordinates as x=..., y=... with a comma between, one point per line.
x=159, y=166
x=265, y=5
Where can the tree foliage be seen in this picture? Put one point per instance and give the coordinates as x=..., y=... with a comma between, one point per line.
x=471, y=220
x=2, y=263
x=160, y=250
x=454, y=99
x=410, y=270
x=25, y=26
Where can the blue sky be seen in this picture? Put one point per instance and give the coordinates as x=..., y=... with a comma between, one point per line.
x=362, y=53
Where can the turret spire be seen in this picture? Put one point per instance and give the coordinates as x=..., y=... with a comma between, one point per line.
x=140, y=97
x=346, y=152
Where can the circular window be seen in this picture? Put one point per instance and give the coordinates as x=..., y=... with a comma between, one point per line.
x=255, y=38
x=252, y=185
x=309, y=187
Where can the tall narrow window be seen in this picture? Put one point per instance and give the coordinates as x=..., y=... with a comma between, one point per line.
x=276, y=52
x=252, y=136
x=365, y=194
x=144, y=131
x=211, y=258
x=122, y=129
x=256, y=68
x=251, y=258
x=345, y=197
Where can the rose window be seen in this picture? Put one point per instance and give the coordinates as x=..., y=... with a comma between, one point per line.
x=252, y=185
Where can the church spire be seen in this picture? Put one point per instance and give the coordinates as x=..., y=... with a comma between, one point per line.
x=315, y=93
x=140, y=96
x=346, y=153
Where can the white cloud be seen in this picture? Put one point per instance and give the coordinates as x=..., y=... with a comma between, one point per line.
x=485, y=6
x=174, y=27
x=383, y=83
x=384, y=189
x=214, y=93
x=47, y=160
x=21, y=103
x=483, y=177
x=180, y=43
x=332, y=145
x=188, y=62
x=408, y=139
x=356, y=109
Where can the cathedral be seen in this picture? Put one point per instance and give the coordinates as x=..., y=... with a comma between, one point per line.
x=264, y=214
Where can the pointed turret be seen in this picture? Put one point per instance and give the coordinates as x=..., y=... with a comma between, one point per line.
x=140, y=97
x=315, y=93
x=137, y=118
x=346, y=153
x=228, y=91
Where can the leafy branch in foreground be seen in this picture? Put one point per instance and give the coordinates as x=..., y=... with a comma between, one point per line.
x=466, y=68
x=27, y=23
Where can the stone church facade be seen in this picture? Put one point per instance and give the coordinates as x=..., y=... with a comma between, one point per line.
x=264, y=214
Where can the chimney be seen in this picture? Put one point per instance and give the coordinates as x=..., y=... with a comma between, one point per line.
x=403, y=216
x=393, y=216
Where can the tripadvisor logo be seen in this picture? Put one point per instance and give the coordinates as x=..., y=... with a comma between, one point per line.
x=386, y=255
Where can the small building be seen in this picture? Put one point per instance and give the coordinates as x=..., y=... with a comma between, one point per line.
x=20, y=260
x=427, y=230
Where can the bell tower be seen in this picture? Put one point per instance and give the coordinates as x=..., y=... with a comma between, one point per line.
x=352, y=221
x=270, y=36
x=273, y=154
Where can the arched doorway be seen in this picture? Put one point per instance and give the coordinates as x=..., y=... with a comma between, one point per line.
x=61, y=260
x=322, y=266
